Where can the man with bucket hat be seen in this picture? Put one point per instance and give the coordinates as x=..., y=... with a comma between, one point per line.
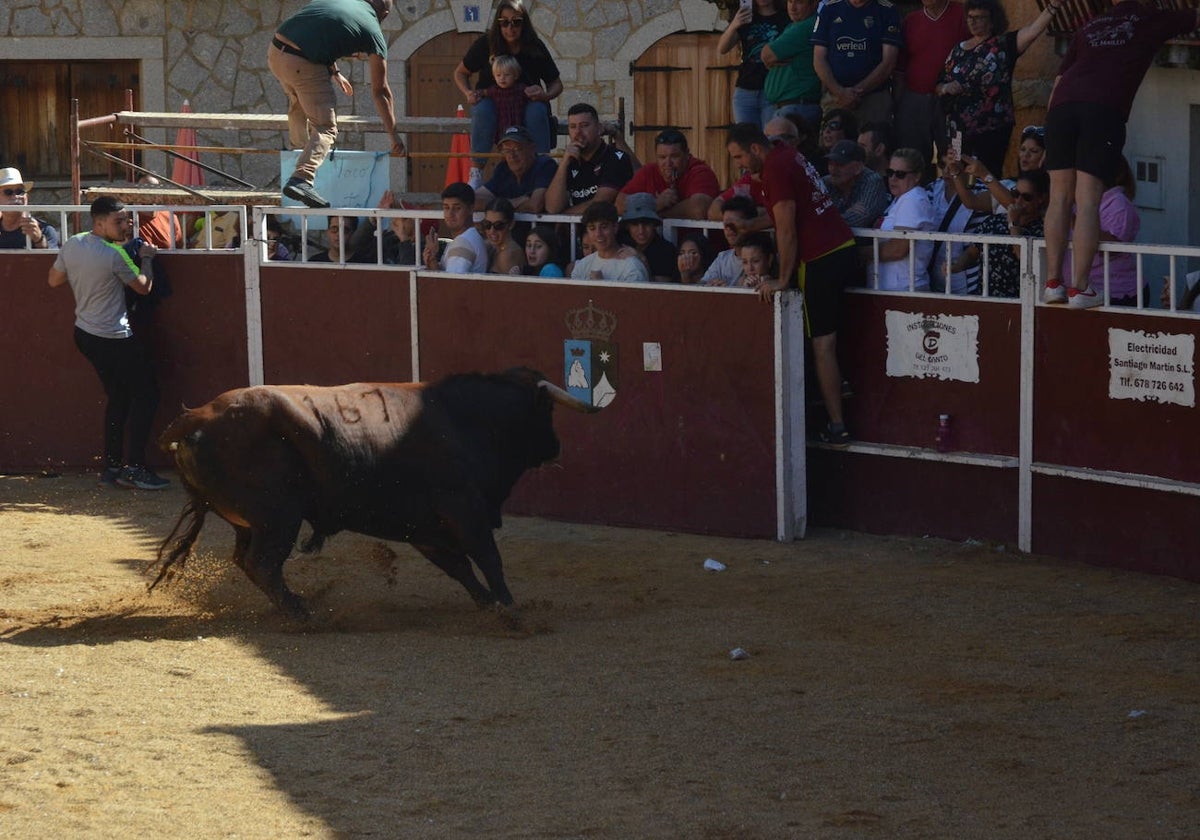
x=17, y=227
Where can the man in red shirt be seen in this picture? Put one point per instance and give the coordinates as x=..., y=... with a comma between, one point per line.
x=683, y=186
x=929, y=34
x=815, y=252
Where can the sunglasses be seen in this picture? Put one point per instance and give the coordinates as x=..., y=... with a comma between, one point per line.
x=1030, y=197
x=836, y=125
x=511, y=23
x=1033, y=130
x=11, y=191
x=496, y=226
x=897, y=173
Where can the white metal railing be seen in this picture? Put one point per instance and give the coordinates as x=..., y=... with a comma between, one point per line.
x=378, y=218
x=72, y=219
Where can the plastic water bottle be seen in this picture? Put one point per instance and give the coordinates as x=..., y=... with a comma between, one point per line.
x=942, y=441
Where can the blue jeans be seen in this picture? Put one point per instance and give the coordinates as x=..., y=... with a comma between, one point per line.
x=751, y=106
x=483, y=127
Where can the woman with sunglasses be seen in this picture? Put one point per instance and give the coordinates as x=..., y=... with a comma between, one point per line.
x=911, y=209
x=976, y=84
x=511, y=33
x=996, y=193
x=1026, y=217
x=837, y=124
x=507, y=257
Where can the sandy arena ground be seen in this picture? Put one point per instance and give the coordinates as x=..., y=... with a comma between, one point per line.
x=894, y=688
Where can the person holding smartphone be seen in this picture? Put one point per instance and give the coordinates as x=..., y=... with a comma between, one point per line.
x=756, y=23
x=18, y=227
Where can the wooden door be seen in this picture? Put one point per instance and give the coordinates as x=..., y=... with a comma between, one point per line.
x=431, y=93
x=35, y=99
x=681, y=82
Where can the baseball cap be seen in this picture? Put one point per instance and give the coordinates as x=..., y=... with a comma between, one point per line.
x=846, y=151
x=516, y=133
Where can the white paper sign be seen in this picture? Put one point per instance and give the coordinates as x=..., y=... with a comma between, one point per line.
x=1152, y=366
x=941, y=346
x=345, y=179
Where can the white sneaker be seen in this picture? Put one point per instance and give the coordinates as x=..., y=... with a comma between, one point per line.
x=1085, y=299
x=1055, y=292
x=475, y=177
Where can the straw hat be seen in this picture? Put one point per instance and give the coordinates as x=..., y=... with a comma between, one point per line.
x=11, y=176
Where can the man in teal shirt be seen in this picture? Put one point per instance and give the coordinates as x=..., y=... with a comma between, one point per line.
x=303, y=57
x=792, y=85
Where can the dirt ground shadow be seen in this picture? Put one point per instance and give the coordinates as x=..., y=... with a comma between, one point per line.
x=891, y=688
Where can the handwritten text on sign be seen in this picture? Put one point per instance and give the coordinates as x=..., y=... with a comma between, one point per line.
x=1152, y=366
x=935, y=346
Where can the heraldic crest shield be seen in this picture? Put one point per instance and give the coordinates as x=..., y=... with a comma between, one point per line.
x=589, y=355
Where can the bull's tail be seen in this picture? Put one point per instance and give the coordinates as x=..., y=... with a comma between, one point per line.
x=195, y=509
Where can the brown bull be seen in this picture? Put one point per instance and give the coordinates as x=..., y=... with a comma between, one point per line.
x=426, y=464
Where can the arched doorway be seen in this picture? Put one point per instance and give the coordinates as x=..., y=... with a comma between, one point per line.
x=431, y=93
x=681, y=82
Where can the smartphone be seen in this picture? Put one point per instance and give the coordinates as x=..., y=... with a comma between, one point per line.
x=745, y=4
x=956, y=144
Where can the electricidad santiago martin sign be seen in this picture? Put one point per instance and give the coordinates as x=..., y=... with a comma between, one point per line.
x=1152, y=366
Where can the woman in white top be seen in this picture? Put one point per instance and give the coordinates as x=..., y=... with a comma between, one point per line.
x=910, y=209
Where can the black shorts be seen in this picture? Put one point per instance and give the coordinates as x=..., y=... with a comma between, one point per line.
x=822, y=281
x=1086, y=136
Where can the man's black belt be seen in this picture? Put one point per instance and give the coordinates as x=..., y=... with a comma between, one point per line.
x=287, y=48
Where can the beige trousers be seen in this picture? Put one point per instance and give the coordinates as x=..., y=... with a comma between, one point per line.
x=312, y=118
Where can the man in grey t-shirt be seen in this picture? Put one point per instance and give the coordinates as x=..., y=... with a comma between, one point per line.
x=98, y=270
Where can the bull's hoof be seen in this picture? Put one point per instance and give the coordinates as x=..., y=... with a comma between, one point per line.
x=296, y=610
x=484, y=600
x=510, y=616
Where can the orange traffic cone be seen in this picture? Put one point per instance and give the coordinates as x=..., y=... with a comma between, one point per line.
x=459, y=168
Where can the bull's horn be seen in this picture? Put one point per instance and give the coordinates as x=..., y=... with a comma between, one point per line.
x=563, y=398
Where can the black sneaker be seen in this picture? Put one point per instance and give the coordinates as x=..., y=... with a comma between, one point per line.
x=142, y=478
x=108, y=477
x=834, y=437
x=303, y=191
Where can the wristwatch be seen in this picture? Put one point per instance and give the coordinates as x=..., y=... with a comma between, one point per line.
x=989, y=179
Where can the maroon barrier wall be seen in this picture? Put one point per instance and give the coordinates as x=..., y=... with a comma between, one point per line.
x=904, y=496
x=904, y=410
x=1080, y=425
x=331, y=326
x=53, y=407
x=890, y=495
x=1076, y=424
x=691, y=447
